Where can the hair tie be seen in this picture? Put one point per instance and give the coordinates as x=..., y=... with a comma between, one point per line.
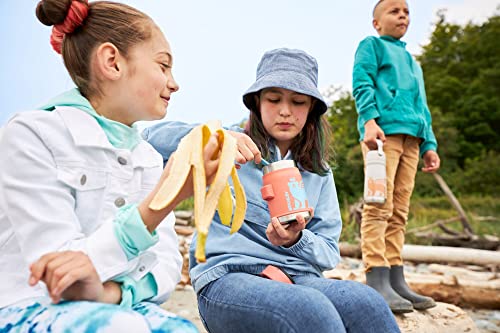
x=77, y=12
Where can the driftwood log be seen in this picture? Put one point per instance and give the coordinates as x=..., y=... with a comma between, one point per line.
x=435, y=254
x=445, y=254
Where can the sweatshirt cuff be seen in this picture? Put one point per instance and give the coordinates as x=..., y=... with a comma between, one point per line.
x=303, y=242
x=369, y=114
x=131, y=231
x=134, y=292
x=427, y=146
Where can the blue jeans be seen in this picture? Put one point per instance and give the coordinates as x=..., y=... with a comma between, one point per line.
x=240, y=302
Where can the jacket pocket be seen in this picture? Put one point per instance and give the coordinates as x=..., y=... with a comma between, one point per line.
x=88, y=188
x=80, y=179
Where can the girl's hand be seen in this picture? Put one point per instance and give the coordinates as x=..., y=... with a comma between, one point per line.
x=69, y=275
x=247, y=149
x=211, y=153
x=431, y=161
x=372, y=133
x=285, y=235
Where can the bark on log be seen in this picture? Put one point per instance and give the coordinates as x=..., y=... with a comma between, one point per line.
x=350, y=250
x=458, y=291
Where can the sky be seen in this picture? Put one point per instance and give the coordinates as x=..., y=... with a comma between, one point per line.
x=217, y=45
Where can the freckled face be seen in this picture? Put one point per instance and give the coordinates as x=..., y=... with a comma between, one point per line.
x=284, y=113
x=392, y=18
x=150, y=81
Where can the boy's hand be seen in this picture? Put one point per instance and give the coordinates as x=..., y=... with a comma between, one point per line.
x=431, y=161
x=69, y=275
x=285, y=235
x=247, y=149
x=372, y=133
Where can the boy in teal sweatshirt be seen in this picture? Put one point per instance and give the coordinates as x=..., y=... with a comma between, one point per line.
x=390, y=99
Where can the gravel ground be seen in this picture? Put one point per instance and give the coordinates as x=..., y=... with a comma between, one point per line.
x=183, y=303
x=487, y=321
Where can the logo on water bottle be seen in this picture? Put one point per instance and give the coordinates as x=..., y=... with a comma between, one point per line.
x=376, y=187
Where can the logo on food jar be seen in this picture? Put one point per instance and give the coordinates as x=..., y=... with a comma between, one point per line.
x=298, y=194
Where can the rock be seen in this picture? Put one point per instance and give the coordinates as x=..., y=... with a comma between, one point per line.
x=184, y=215
x=442, y=318
x=179, y=221
x=184, y=230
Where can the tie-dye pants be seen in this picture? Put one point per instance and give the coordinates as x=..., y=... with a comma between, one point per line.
x=39, y=315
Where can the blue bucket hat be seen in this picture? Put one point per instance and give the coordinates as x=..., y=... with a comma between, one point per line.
x=289, y=69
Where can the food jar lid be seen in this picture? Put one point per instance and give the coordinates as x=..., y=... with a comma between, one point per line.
x=283, y=164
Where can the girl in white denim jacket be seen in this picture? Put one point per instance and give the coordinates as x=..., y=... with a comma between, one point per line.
x=79, y=248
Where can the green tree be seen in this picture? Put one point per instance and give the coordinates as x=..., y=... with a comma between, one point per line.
x=347, y=161
x=462, y=77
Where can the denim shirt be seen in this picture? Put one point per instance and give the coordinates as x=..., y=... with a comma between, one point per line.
x=249, y=250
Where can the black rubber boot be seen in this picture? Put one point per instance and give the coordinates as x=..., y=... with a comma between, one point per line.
x=400, y=286
x=378, y=279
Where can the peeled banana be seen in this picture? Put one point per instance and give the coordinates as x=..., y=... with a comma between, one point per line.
x=189, y=157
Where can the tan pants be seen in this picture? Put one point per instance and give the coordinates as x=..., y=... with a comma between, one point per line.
x=383, y=226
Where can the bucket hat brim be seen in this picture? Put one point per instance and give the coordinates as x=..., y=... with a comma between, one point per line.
x=286, y=79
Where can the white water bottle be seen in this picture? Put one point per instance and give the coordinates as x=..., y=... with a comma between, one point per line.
x=375, y=176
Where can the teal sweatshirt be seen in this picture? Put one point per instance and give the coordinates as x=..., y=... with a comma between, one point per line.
x=388, y=86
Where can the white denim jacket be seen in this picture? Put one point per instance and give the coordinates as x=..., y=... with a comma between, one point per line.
x=61, y=184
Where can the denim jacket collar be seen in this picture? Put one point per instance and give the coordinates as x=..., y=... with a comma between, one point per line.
x=86, y=132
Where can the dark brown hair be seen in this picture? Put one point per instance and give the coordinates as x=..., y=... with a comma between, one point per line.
x=116, y=23
x=310, y=149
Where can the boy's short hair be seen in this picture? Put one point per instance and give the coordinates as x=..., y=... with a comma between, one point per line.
x=376, y=6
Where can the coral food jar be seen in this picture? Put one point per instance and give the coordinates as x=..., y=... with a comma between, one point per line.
x=284, y=191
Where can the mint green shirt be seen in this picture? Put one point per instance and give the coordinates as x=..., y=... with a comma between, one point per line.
x=130, y=229
x=388, y=86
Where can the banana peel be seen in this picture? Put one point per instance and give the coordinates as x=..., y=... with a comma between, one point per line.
x=189, y=157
